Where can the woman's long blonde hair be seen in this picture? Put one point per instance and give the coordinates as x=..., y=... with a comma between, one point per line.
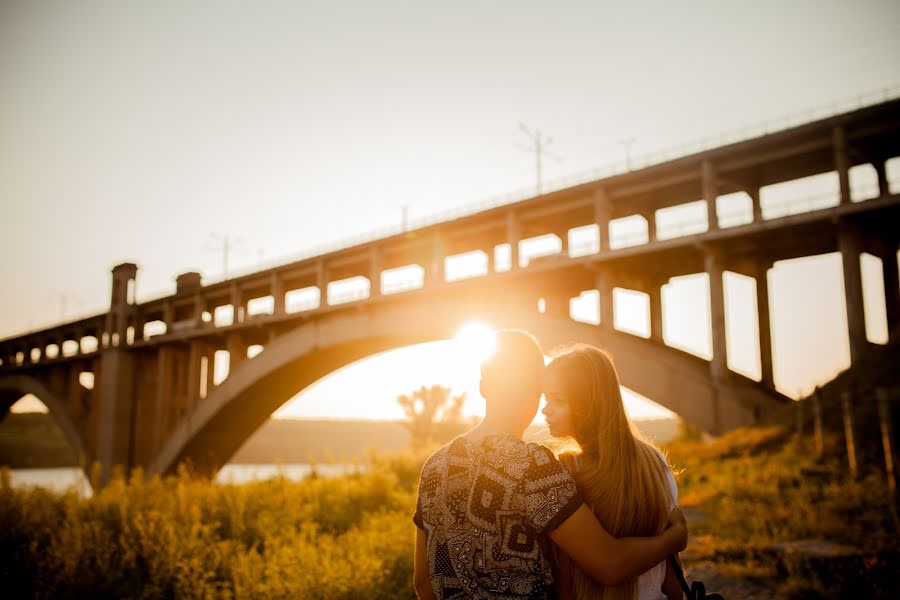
x=620, y=476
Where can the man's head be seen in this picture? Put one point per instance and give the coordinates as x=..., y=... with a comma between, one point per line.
x=512, y=378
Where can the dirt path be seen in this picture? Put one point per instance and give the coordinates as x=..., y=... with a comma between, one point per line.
x=718, y=578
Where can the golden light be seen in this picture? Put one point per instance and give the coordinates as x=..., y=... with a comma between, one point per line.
x=476, y=340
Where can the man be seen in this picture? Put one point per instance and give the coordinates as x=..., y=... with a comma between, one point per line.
x=488, y=502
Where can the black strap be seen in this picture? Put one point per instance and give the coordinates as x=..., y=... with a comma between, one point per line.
x=676, y=566
x=695, y=591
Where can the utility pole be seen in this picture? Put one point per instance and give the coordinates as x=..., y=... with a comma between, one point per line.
x=626, y=143
x=538, y=145
x=227, y=242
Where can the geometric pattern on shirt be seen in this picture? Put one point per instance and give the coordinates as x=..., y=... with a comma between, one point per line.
x=484, y=508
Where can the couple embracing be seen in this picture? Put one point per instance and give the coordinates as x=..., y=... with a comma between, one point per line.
x=500, y=518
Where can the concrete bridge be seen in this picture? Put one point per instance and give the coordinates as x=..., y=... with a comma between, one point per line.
x=135, y=386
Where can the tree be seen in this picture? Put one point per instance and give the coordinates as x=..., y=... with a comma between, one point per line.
x=433, y=415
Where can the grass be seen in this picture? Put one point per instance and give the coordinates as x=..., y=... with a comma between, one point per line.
x=758, y=487
x=352, y=537
x=349, y=537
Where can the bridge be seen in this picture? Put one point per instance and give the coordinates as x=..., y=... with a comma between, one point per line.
x=136, y=385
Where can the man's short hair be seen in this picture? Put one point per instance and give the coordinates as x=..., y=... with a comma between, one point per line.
x=517, y=364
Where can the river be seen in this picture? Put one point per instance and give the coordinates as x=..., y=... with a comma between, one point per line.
x=61, y=479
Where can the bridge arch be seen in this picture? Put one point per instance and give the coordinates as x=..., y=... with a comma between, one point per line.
x=210, y=434
x=13, y=387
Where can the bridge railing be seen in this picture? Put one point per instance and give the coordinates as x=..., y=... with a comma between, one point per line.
x=608, y=170
x=642, y=161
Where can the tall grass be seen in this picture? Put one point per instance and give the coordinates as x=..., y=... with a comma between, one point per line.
x=348, y=537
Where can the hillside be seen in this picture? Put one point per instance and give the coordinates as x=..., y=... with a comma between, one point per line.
x=772, y=519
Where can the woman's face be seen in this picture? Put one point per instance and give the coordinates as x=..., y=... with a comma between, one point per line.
x=556, y=410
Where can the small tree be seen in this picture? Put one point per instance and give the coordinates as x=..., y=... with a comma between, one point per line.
x=432, y=413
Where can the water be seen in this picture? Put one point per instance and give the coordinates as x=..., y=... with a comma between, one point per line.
x=62, y=479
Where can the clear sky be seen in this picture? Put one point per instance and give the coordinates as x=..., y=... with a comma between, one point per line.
x=132, y=131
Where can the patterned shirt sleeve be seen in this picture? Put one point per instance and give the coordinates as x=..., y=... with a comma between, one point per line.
x=549, y=493
x=417, y=516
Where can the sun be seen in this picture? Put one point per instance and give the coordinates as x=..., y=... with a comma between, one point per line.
x=476, y=340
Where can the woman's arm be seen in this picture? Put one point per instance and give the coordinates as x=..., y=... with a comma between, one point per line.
x=608, y=560
x=671, y=586
x=421, y=578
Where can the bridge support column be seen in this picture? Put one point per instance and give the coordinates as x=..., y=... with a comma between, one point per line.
x=513, y=235
x=434, y=272
x=602, y=217
x=656, y=312
x=850, y=244
x=651, y=225
x=841, y=162
x=714, y=266
x=277, y=286
x=881, y=171
x=322, y=282
x=168, y=315
x=710, y=193
x=891, y=290
x=375, y=267
x=195, y=355
x=564, y=242
x=210, y=354
x=767, y=377
x=605, y=289
x=753, y=192
x=116, y=386
x=237, y=303
x=138, y=323
x=199, y=309
x=237, y=351
x=164, y=389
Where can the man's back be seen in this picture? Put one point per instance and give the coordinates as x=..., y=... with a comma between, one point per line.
x=485, y=507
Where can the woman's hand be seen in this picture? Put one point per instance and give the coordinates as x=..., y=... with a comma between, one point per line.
x=677, y=530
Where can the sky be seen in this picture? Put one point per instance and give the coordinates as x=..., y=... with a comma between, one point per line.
x=146, y=132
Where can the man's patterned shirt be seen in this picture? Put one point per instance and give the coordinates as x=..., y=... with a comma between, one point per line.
x=485, y=507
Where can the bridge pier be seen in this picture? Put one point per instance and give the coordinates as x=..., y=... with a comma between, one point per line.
x=237, y=303
x=513, y=236
x=713, y=261
x=277, y=286
x=841, y=162
x=764, y=327
x=881, y=171
x=604, y=286
x=753, y=192
x=850, y=247
x=116, y=386
x=891, y=289
x=375, y=268
x=237, y=351
x=602, y=217
x=650, y=217
x=434, y=272
x=710, y=193
x=654, y=290
x=322, y=282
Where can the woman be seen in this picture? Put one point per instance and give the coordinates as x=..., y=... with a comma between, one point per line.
x=623, y=479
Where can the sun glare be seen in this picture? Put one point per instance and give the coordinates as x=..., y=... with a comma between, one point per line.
x=476, y=340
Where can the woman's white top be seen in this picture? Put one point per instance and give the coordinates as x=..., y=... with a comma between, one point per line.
x=650, y=583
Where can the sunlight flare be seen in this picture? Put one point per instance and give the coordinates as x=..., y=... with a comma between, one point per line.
x=476, y=340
